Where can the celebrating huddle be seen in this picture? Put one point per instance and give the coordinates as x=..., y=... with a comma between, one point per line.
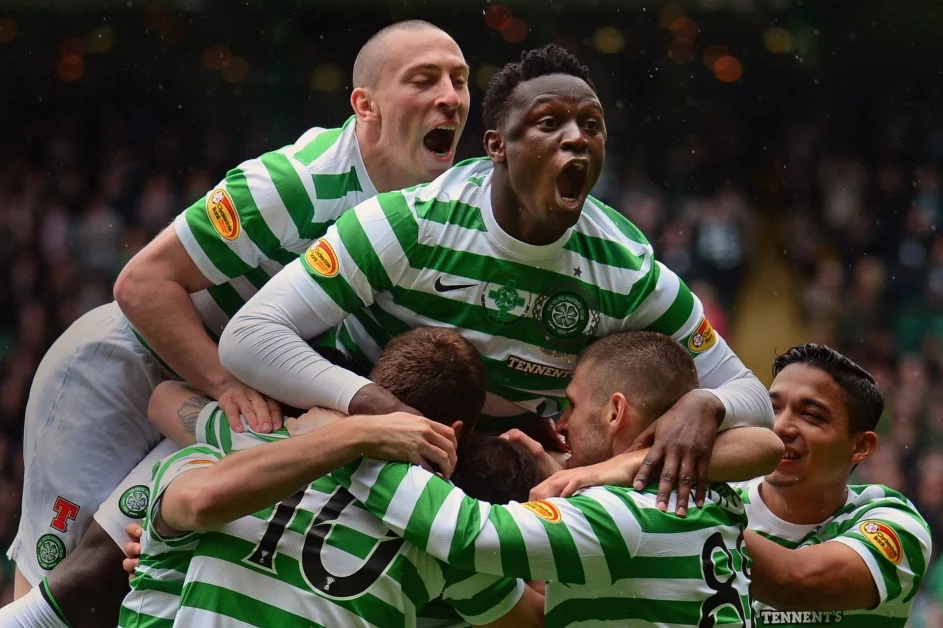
x=428, y=321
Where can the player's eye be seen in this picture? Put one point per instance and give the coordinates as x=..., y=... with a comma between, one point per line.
x=593, y=125
x=547, y=123
x=460, y=81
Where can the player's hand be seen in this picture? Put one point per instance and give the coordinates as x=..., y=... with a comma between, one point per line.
x=617, y=471
x=546, y=464
x=681, y=442
x=132, y=548
x=261, y=413
x=408, y=438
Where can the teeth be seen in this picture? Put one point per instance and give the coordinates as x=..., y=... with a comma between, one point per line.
x=790, y=456
x=447, y=127
x=579, y=165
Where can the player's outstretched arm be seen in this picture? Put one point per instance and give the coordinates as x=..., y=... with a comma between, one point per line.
x=739, y=454
x=826, y=577
x=174, y=409
x=551, y=540
x=153, y=291
x=265, y=344
x=249, y=480
x=681, y=440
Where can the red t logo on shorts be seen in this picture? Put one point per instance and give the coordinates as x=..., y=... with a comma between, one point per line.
x=65, y=511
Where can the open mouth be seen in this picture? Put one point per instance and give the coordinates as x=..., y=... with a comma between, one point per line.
x=571, y=183
x=790, y=456
x=439, y=140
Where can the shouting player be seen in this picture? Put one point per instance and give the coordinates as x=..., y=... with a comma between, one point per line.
x=514, y=253
x=317, y=557
x=86, y=423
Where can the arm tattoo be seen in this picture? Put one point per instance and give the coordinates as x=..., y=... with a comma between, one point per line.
x=189, y=410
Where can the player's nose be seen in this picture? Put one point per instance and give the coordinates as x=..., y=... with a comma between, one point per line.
x=449, y=97
x=572, y=137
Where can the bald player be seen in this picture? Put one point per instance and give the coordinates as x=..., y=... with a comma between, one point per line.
x=86, y=425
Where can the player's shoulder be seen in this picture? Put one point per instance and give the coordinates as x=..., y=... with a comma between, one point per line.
x=879, y=501
x=461, y=183
x=324, y=149
x=601, y=221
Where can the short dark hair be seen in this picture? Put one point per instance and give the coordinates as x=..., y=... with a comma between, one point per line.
x=370, y=58
x=860, y=393
x=544, y=61
x=649, y=368
x=436, y=371
x=495, y=470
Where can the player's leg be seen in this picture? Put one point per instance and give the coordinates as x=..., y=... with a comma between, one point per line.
x=86, y=428
x=21, y=585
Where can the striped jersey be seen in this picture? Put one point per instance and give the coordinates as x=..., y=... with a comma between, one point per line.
x=881, y=525
x=610, y=557
x=266, y=212
x=434, y=255
x=317, y=558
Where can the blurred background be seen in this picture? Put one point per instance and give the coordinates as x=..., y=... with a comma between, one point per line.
x=783, y=156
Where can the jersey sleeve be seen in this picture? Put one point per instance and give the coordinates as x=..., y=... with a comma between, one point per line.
x=588, y=538
x=252, y=215
x=367, y=251
x=213, y=429
x=895, y=544
x=165, y=472
x=480, y=598
x=667, y=306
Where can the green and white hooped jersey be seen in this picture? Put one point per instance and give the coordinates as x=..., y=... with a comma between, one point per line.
x=881, y=525
x=610, y=557
x=266, y=212
x=434, y=255
x=317, y=558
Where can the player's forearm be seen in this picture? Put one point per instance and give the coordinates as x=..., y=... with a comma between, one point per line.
x=162, y=312
x=265, y=346
x=826, y=577
x=248, y=481
x=744, y=453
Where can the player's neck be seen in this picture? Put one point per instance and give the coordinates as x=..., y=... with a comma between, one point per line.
x=803, y=505
x=513, y=219
x=385, y=173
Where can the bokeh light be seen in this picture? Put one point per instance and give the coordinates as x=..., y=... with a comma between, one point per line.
x=102, y=39
x=71, y=68
x=777, y=40
x=668, y=14
x=516, y=31
x=728, y=69
x=608, y=40
x=685, y=30
x=7, y=30
x=73, y=46
x=680, y=52
x=713, y=53
x=326, y=78
x=237, y=70
x=498, y=17
x=484, y=74
x=217, y=57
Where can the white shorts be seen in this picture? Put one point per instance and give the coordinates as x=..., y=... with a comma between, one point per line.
x=86, y=428
x=128, y=503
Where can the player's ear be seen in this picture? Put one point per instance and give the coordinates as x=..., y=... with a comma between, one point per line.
x=363, y=104
x=865, y=444
x=494, y=146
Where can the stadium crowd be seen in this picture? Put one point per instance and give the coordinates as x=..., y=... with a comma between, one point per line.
x=82, y=191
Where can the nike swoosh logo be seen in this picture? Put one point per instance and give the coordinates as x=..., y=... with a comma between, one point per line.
x=441, y=287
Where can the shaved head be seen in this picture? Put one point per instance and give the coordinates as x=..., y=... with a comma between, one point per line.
x=370, y=59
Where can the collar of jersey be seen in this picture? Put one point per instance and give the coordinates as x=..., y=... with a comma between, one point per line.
x=511, y=245
x=365, y=183
x=794, y=532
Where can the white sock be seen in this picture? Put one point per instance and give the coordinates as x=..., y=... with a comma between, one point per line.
x=30, y=611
